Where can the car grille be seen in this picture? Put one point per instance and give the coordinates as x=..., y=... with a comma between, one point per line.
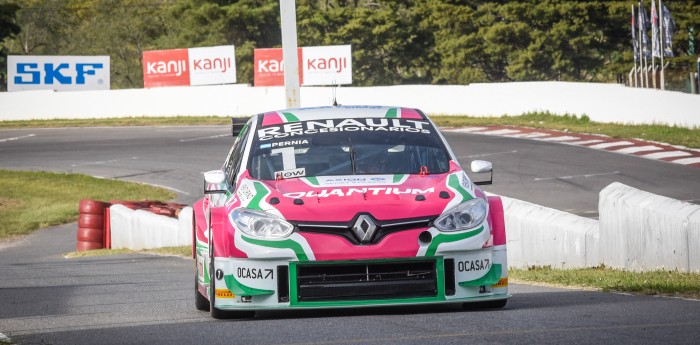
x=344, y=229
x=366, y=280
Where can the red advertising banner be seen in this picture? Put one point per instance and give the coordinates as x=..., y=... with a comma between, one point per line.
x=269, y=67
x=165, y=68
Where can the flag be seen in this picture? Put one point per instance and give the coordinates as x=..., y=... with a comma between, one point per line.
x=668, y=27
x=635, y=47
x=655, y=50
x=643, y=26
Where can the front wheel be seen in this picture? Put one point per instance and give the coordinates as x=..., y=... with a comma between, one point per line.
x=200, y=302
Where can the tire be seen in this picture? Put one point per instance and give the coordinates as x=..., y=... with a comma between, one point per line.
x=87, y=206
x=91, y=235
x=84, y=246
x=495, y=304
x=95, y=221
x=200, y=302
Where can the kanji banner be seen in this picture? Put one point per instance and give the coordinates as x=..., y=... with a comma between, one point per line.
x=269, y=67
x=325, y=65
x=193, y=66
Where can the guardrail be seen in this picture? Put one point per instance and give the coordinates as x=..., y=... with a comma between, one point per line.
x=637, y=231
x=600, y=102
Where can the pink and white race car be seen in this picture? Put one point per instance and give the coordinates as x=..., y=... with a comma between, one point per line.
x=345, y=206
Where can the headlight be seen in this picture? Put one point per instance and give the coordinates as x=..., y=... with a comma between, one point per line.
x=464, y=216
x=260, y=224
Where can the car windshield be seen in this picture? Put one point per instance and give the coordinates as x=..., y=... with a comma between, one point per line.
x=360, y=147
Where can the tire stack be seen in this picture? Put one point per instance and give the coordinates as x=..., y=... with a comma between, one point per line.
x=91, y=225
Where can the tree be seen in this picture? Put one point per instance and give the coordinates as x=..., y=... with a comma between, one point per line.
x=8, y=28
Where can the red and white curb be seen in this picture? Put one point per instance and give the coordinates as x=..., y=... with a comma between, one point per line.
x=637, y=147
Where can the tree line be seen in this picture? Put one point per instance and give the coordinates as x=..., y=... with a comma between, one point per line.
x=393, y=42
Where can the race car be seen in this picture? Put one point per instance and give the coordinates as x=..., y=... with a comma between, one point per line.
x=345, y=206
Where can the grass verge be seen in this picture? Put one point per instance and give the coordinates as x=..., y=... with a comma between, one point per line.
x=688, y=137
x=33, y=200
x=183, y=251
x=571, y=123
x=664, y=283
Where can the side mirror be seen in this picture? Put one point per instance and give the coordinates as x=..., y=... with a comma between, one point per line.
x=215, y=182
x=479, y=166
x=237, y=125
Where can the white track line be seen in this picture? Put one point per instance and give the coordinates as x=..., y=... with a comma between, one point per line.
x=101, y=162
x=669, y=154
x=612, y=144
x=202, y=138
x=488, y=154
x=585, y=142
x=501, y=132
x=16, y=138
x=635, y=149
x=561, y=138
x=467, y=129
x=574, y=176
x=687, y=161
x=534, y=135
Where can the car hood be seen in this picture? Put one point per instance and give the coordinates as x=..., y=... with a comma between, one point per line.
x=341, y=198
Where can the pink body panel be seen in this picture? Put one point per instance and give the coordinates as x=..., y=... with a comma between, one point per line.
x=498, y=224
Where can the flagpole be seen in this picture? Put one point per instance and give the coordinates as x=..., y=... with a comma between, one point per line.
x=636, y=84
x=639, y=38
x=653, y=60
x=661, y=46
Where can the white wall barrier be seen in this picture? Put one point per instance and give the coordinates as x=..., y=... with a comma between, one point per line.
x=137, y=229
x=601, y=102
x=541, y=236
x=637, y=231
x=641, y=231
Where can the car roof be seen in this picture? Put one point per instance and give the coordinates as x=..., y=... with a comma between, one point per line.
x=339, y=112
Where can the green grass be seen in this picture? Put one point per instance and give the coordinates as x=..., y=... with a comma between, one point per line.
x=34, y=200
x=183, y=251
x=605, y=279
x=571, y=123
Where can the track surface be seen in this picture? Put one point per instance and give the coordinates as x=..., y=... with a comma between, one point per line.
x=135, y=299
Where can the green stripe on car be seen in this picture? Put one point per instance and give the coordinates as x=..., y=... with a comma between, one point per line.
x=447, y=238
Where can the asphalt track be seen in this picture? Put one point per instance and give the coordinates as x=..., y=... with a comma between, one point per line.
x=144, y=299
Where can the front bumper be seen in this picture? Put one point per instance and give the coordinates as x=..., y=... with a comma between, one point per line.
x=258, y=284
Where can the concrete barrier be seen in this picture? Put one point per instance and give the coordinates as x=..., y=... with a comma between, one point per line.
x=601, y=102
x=541, y=236
x=637, y=231
x=641, y=231
x=137, y=229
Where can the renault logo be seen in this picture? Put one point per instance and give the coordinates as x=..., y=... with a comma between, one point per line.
x=364, y=228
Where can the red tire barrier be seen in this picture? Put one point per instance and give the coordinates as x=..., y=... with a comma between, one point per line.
x=107, y=242
x=91, y=224
x=83, y=246
x=87, y=206
x=90, y=235
x=94, y=221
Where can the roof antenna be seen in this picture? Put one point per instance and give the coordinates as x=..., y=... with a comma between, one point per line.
x=335, y=99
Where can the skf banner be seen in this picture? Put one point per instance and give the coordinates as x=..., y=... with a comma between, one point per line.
x=326, y=65
x=193, y=66
x=59, y=73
